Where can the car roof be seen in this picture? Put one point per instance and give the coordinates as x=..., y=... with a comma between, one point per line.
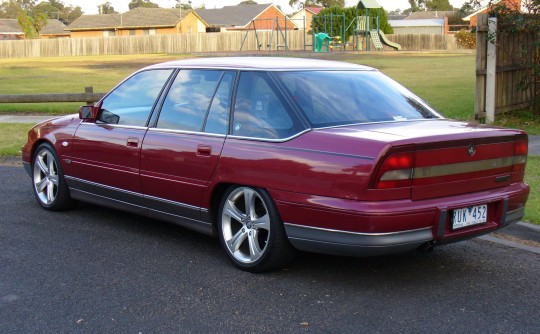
x=262, y=63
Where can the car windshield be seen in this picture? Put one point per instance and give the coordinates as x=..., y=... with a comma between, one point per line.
x=330, y=98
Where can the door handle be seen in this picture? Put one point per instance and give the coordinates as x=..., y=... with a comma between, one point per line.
x=204, y=150
x=133, y=142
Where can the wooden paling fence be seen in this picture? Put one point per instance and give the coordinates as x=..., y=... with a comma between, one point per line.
x=500, y=67
x=193, y=42
x=88, y=96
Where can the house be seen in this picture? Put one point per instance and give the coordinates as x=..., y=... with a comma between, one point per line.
x=245, y=17
x=423, y=26
x=424, y=22
x=11, y=30
x=304, y=18
x=54, y=29
x=138, y=21
x=511, y=4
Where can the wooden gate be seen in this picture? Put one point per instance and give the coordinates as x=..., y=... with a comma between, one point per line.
x=502, y=70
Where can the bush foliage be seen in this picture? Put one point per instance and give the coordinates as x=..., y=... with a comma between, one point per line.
x=466, y=39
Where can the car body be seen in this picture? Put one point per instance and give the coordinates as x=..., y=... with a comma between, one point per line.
x=274, y=155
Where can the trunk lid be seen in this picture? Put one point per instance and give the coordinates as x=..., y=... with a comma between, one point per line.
x=439, y=158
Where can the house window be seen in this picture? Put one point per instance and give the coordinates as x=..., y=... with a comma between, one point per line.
x=109, y=33
x=132, y=33
x=152, y=31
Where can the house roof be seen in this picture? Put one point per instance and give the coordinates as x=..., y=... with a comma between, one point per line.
x=416, y=23
x=236, y=16
x=396, y=17
x=88, y=22
x=425, y=15
x=485, y=8
x=135, y=18
x=481, y=10
x=314, y=10
x=54, y=27
x=11, y=27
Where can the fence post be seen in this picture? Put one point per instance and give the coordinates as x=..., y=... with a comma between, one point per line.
x=89, y=90
x=481, y=53
x=491, y=70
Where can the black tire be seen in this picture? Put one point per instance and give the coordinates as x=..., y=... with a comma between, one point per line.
x=251, y=231
x=48, y=182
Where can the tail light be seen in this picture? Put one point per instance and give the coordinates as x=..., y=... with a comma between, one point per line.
x=396, y=171
x=521, y=148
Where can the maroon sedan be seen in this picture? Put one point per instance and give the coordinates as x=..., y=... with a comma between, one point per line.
x=274, y=155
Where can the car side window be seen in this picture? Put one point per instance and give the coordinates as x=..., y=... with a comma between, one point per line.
x=259, y=112
x=218, y=116
x=132, y=101
x=188, y=100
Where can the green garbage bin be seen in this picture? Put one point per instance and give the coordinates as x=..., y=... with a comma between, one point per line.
x=322, y=42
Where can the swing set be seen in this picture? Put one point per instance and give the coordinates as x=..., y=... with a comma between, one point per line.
x=269, y=26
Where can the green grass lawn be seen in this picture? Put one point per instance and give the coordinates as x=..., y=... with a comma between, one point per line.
x=431, y=76
x=65, y=75
x=12, y=138
x=532, y=177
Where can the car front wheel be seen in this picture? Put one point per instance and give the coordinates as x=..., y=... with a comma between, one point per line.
x=251, y=231
x=50, y=188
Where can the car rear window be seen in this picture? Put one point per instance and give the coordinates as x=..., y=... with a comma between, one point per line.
x=330, y=98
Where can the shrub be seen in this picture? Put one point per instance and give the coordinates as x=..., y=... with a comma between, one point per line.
x=466, y=39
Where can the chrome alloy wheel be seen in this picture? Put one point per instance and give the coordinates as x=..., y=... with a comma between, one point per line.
x=245, y=225
x=46, y=179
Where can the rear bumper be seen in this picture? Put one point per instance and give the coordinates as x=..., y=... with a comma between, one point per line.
x=334, y=242
x=356, y=228
x=327, y=241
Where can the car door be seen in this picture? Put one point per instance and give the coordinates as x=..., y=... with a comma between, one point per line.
x=180, y=154
x=106, y=153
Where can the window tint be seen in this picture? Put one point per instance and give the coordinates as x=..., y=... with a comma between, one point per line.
x=132, y=101
x=259, y=111
x=218, y=116
x=188, y=100
x=330, y=98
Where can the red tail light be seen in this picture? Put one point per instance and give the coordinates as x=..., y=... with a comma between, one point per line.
x=396, y=171
x=521, y=149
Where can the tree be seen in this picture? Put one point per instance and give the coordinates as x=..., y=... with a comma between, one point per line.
x=106, y=8
x=10, y=9
x=317, y=3
x=439, y=5
x=183, y=6
x=55, y=9
x=420, y=5
x=32, y=24
x=395, y=12
x=248, y=2
x=142, y=3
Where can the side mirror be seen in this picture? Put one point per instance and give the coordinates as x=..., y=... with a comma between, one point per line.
x=88, y=112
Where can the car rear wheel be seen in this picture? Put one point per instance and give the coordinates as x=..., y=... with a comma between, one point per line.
x=251, y=231
x=50, y=187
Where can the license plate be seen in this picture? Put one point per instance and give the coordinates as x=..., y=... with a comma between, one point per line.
x=472, y=215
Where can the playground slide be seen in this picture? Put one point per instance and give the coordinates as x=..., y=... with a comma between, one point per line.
x=386, y=41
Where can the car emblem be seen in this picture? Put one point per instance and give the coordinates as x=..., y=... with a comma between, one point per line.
x=471, y=150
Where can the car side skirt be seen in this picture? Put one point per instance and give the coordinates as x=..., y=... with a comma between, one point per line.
x=320, y=240
x=191, y=217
